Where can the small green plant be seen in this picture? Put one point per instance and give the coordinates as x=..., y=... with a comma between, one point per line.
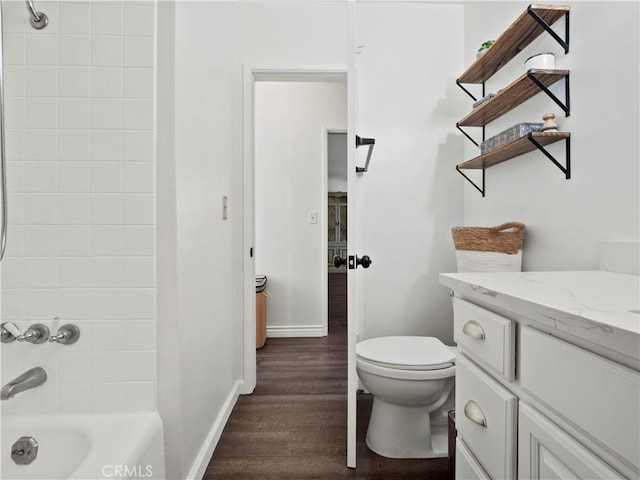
x=486, y=45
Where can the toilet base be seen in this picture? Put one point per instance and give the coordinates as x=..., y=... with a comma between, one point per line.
x=405, y=432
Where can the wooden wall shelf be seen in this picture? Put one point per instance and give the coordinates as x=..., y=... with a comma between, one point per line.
x=513, y=95
x=518, y=147
x=524, y=30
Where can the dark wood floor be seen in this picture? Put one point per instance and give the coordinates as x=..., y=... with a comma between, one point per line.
x=294, y=425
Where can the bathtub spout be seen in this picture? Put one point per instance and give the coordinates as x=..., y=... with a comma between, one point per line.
x=30, y=379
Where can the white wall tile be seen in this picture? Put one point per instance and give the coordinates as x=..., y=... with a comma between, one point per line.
x=73, y=177
x=138, y=178
x=40, y=209
x=15, y=144
x=123, y=335
x=106, y=241
x=139, y=272
x=40, y=272
x=14, y=49
x=42, y=176
x=106, y=18
x=41, y=144
x=124, y=366
x=106, y=272
x=106, y=113
x=74, y=113
x=73, y=240
x=41, y=50
x=105, y=177
x=106, y=51
x=138, y=146
x=106, y=82
x=74, y=398
x=73, y=144
x=138, y=303
x=73, y=304
x=74, y=81
x=40, y=304
x=14, y=112
x=139, y=240
x=106, y=145
x=15, y=247
x=138, y=209
x=105, y=304
x=138, y=52
x=74, y=367
x=73, y=209
x=138, y=114
x=123, y=397
x=12, y=304
x=138, y=19
x=105, y=209
x=138, y=82
x=16, y=207
x=14, y=80
x=73, y=272
x=40, y=241
x=12, y=272
x=41, y=80
x=40, y=112
x=15, y=171
x=75, y=49
x=75, y=17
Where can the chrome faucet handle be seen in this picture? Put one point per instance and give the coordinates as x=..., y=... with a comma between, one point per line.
x=9, y=332
x=36, y=334
x=67, y=335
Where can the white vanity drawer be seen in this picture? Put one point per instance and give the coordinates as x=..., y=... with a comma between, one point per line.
x=467, y=467
x=489, y=338
x=598, y=396
x=486, y=415
x=546, y=452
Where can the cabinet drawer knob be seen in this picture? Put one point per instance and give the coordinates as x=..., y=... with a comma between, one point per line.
x=473, y=329
x=474, y=413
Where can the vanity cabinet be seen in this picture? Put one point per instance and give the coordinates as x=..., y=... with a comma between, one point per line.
x=532, y=401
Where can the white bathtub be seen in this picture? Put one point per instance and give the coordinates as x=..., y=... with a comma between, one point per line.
x=86, y=447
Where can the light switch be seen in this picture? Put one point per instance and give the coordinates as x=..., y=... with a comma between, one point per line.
x=313, y=216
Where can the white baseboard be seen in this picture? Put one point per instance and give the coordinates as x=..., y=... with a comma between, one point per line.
x=293, y=331
x=203, y=458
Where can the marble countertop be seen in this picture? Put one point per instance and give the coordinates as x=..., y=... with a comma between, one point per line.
x=596, y=306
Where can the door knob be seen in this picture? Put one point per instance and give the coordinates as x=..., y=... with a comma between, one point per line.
x=365, y=261
x=338, y=261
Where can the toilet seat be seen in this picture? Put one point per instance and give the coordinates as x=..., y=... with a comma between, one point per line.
x=406, y=353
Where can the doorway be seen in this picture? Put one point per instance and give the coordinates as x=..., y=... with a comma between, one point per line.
x=290, y=193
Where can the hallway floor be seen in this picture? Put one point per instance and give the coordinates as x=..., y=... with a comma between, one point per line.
x=294, y=425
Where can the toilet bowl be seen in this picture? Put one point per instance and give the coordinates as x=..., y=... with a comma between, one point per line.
x=411, y=380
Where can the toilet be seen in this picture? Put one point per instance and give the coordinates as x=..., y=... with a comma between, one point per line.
x=412, y=383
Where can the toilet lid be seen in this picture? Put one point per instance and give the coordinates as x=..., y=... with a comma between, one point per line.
x=406, y=353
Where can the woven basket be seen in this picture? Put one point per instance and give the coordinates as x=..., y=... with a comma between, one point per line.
x=496, y=248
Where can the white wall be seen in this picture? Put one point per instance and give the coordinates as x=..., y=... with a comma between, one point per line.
x=290, y=122
x=213, y=40
x=80, y=169
x=412, y=195
x=566, y=219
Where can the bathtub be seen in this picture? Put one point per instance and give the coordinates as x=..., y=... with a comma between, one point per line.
x=86, y=447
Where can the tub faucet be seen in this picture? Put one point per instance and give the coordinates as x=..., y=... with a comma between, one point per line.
x=30, y=379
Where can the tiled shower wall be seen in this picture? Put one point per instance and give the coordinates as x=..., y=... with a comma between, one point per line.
x=80, y=135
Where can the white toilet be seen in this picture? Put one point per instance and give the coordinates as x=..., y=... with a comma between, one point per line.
x=412, y=382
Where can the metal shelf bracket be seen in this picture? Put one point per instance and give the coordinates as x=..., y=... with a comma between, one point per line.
x=564, y=106
x=563, y=43
x=365, y=141
x=566, y=169
x=481, y=190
